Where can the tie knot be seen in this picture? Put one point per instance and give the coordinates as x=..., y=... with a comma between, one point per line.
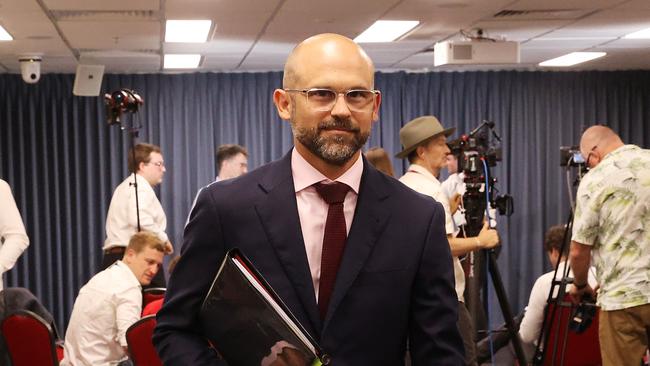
x=332, y=193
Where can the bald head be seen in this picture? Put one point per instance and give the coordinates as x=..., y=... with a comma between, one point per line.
x=599, y=141
x=601, y=136
x=328, y=97
x=329, y=49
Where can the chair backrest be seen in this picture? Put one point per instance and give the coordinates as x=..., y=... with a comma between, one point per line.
x=152, y=294
x=138, y=338
x=581, y=349
x=29, y=339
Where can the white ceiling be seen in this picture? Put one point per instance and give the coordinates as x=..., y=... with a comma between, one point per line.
x=252, y=35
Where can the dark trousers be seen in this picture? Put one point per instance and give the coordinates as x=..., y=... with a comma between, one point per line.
x=116, y=253
x=466, y=328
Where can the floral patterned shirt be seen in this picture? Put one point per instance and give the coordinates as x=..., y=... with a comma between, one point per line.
x=613, y=216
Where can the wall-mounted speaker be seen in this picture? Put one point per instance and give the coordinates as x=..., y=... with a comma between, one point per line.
x=88, y=80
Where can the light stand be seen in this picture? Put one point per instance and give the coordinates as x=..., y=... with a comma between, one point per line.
x=125, y=100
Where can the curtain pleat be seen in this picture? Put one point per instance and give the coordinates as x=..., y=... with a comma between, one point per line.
x=63, y=161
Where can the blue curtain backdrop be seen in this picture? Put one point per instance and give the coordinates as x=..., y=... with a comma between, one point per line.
x=63, y=160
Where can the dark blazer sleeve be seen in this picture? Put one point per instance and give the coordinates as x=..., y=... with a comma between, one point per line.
x=434, y=337
x=177, y=336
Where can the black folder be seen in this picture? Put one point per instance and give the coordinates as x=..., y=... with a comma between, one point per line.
x=248, y=323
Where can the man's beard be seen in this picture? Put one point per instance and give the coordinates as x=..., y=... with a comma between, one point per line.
x=334, y=149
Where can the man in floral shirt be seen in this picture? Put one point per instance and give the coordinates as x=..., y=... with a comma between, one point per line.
x=612, y=220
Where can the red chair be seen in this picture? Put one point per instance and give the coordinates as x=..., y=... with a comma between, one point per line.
x=151, y=294
x=579, y=349
x=138, y=338
x=29, y=339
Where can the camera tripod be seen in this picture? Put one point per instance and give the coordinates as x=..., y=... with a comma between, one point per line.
x=476, y=200
x=580, y=316
x=477, y=281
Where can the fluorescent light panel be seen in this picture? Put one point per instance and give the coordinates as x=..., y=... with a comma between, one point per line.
x=572, y=58
x=181, y=61
x=190, y=31
x=386, y=31
x=642, y=34
x=4, y=35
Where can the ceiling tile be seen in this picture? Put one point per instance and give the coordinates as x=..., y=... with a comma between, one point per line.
x=112, y=34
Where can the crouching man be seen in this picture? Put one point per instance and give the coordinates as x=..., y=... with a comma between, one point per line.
x=110, y=302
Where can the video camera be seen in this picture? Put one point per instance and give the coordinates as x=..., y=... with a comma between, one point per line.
x=476, y=154
x=571, y=156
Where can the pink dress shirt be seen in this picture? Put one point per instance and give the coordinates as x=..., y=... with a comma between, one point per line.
x=312, y=210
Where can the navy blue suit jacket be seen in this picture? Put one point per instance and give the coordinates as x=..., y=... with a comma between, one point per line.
x=395, y=280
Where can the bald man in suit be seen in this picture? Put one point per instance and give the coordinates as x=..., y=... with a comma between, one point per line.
x=394, y=280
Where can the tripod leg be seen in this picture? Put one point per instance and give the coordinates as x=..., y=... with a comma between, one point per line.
x=505, y=308
x=474, y=290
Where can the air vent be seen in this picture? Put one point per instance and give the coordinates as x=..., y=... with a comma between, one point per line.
x=84, y=15
x=94, y=50
x=462, y=52
x=88, y=53
x=39, y=38
x=540, y=14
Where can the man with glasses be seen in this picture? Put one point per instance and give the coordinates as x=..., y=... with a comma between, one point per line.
x=612, y=220
x=147, y=162
x=359, y=259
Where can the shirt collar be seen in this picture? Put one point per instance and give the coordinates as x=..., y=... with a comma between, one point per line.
x=131, y=276
x=620, y=150
x=416, y=168
x=305, y=175
x=140, y=179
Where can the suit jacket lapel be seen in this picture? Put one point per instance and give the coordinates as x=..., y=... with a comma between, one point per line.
x=278, y=212
x=369, y=219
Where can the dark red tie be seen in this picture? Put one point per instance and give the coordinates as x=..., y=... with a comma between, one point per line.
x=333, y=240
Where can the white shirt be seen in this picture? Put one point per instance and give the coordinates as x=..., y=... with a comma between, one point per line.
x=531, y=324
x=121, y=220
x=312, y=209
x=105, y=308
x=421, y=180
x=455, y=183
x=12, y=231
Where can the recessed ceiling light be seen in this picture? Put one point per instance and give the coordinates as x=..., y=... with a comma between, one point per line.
x=192, y=31
x=4, y=35
x=386, y=31
x=572, y=58
x=181, y=61
x=642, y=34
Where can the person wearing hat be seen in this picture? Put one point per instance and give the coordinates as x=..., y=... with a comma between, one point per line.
x=424, y=143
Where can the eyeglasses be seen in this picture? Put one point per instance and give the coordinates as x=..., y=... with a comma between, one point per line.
x=591, y=152
x=323, y=100
x=159, y=164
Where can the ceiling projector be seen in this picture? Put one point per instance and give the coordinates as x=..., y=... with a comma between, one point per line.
x=476, y=52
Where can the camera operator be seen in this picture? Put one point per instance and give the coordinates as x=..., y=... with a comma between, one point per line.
x=531, y=324
x=612, y=219
x=424, y=142
x=122, y=218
